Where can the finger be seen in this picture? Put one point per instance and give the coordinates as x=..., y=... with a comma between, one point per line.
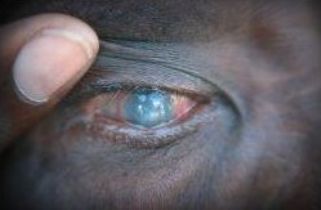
x=41, y=58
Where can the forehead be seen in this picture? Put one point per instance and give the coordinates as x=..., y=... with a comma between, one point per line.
x=166, y=19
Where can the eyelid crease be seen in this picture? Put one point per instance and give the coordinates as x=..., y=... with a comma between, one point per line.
x=111, y=49
x=116, y=70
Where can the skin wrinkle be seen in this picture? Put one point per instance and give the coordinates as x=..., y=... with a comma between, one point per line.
x=158, y=54
x=272, y=162
x=95, y=175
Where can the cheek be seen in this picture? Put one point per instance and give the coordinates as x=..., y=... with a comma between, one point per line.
x=75, y=170
x=79, y=171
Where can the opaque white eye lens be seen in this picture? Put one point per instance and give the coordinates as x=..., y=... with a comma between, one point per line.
x=148, y=107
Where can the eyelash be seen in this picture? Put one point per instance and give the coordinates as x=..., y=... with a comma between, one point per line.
x=101, y=126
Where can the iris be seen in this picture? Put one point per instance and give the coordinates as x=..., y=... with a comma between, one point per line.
x=148, y=107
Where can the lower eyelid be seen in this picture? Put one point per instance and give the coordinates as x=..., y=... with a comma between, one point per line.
x=138, y=138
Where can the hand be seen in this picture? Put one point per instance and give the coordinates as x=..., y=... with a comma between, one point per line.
x=41, y=59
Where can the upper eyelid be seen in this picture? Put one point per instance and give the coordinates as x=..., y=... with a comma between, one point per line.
x=113, y=49
x=124, y=60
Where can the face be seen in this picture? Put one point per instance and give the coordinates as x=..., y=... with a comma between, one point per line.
x=190, y=105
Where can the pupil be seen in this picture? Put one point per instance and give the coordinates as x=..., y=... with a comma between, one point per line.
x=148, y=107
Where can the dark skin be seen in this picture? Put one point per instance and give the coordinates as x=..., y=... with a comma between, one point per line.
x=261, y=151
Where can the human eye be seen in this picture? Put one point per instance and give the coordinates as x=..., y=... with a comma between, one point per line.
x=143, y=107
x=136, y=99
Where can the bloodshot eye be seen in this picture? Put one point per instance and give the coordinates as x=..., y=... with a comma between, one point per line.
x=141, y=116
x=142, y=107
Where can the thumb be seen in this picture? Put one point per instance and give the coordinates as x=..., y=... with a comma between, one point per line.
x=41, y=58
